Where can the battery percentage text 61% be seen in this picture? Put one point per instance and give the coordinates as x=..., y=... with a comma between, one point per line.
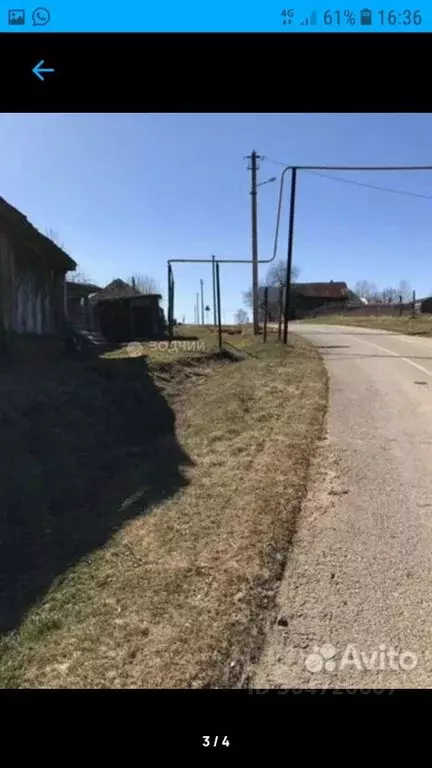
x=339, y=17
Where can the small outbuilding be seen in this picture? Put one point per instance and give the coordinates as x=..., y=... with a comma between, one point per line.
x=124, y=314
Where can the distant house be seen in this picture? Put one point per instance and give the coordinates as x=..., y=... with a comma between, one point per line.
x=307, y=298
x=124, y=314
x=426, y=305
x=32, y=279
x=310, y=297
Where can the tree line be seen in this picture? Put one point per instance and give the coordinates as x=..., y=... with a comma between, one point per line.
x=367, y=290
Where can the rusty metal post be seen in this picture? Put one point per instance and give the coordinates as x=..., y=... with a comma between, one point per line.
x=281, y=290
x=265, y=314
x=218, y=299
x=202, y=301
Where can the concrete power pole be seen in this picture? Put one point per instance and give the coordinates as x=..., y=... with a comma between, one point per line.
x=254, y=168
x=197, y=310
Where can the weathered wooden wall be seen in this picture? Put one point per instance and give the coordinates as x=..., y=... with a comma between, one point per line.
x=31, y=293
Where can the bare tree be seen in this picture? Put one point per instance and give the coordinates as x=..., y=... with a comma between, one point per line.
x=390, y=295
x=247, y=296
x=144, y=283
x=241, y=317
x=276, y=275
x=78, y=276
x=366, y=290
x=405, y=290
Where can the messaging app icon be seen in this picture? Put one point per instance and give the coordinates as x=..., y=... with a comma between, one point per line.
x=41, y=17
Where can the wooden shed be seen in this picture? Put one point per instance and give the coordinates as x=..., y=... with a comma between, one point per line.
x=124, y=314
x=32, y=279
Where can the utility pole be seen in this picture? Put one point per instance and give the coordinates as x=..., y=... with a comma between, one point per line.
x=202, y=301
x=197, y=309
x=254, y=168
x=290, y=252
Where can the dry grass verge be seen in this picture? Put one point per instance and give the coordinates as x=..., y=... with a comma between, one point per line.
x=174, y=587
x=418, y=326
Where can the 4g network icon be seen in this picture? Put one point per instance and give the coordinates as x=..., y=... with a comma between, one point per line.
x=287, y=16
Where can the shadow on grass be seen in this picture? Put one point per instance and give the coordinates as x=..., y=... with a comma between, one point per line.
x=86, y=447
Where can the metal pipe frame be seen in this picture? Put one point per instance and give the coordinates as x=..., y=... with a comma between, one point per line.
x=294, y=169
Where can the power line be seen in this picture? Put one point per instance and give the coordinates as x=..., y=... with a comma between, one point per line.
x=372, y=186
x=275, y=162
x=387, y=168
x=360, y=183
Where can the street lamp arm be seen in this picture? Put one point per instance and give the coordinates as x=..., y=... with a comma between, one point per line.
x=268, y=181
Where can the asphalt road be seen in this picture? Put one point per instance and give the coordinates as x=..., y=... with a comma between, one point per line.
x=355, y=604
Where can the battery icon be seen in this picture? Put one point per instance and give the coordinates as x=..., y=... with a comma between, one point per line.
x=366, y=17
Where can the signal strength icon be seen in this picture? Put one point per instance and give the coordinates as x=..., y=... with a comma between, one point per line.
x=310, y=20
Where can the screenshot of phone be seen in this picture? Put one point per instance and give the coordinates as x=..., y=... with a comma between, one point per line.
x=215, y=362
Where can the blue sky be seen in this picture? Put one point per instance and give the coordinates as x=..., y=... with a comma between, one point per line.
x=127, y=192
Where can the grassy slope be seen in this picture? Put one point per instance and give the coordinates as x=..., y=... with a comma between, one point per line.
x=177, y=594
x=419, y=326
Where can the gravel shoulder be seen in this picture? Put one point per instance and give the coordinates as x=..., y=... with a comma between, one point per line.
x=354, y=607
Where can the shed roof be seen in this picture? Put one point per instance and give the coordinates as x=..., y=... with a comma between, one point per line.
x=329, y=290
x=81, y=289
x=119, y=289
x=17, y=223
x=322, y=291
